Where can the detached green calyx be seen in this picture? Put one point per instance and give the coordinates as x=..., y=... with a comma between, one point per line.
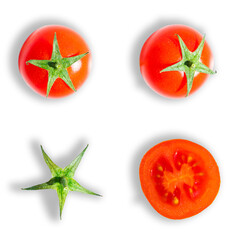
x=190, y=63
x=57, y=66
x=62, y=179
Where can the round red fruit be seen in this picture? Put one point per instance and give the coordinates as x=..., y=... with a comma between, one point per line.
x=175, y=61
x=54, y=61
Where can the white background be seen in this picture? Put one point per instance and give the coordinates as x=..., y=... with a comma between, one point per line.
x=120, y=117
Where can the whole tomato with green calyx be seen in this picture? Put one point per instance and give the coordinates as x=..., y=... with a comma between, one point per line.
x=54, y=61
x=175, y=61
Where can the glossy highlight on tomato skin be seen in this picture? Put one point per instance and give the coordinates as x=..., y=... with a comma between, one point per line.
x=161, y=50
x=39, y=46
x=179, y=178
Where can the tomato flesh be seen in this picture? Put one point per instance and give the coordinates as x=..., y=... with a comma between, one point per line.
x=186, y=176
x=179, y=178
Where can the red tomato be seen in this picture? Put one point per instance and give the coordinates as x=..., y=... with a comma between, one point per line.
x=162, y=49
x=39, y=46
x=179, y=178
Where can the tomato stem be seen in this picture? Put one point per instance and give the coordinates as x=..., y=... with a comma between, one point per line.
x=52, y=64
x=188, y=63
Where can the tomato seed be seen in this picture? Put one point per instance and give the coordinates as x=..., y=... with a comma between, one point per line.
x=175, y=201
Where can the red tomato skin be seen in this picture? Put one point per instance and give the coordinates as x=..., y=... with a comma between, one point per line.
x=187, y=207
x=39, y=45
x=161, y=50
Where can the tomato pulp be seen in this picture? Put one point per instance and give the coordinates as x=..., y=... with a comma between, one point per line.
x=162, y=49
x=179, y=178
x=39, y=46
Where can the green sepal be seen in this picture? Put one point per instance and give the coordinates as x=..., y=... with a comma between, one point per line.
x=76, y=187
x=62, y=194
x=40, y=187
x=56, y=55
x=55, y=170
x=190, y=63
x=190, y=76
x=52, y=77
x=62, y=179
x=57, y=66
x=70, y=170
x=45, y=64
x=63, y=74
x=67, y=62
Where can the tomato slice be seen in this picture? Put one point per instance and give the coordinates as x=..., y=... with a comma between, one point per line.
x=179, y=178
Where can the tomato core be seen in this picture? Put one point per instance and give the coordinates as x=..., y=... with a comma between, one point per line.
x=185, y=174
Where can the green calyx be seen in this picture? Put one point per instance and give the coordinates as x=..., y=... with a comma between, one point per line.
x=62, y=179
x=57, y=66
x=190, y=63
